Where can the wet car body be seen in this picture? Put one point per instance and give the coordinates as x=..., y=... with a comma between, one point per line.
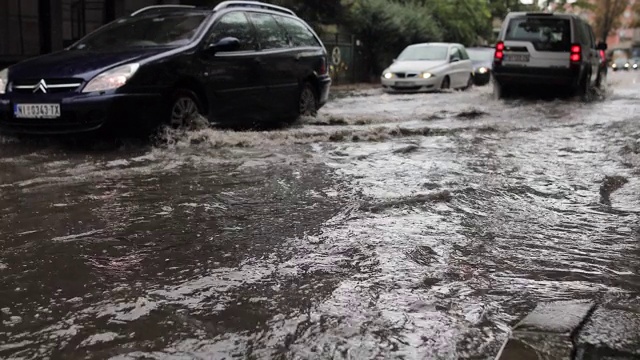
x=227, y=80
x=621, y=64
x=429, y=67
x=482, y=60
x=541, y=49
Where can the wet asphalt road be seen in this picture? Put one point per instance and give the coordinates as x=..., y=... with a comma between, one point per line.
x=391, y=226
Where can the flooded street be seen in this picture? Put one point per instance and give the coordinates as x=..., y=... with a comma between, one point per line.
x=391, y=226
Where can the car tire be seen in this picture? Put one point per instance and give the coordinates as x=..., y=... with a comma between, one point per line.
x=446, y=83
x=584, y=90
x=307, y=100
x=499, y=90
x=470, y=83
x=185, y=107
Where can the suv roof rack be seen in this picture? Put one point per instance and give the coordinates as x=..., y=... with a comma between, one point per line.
x=255, y=4
x=160, y=7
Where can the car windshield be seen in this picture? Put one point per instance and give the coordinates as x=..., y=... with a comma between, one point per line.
x=480, y=55
x=147, y=31
x=429, y=52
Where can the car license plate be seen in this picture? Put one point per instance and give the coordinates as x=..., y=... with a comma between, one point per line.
x=405, y=84
x=516, y=58
x=36, y=111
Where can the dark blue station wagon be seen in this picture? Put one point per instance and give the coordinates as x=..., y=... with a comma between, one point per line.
x=243, y=60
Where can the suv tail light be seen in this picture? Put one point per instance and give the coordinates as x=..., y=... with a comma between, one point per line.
x=323, y=66
x=576, y=53
x=499, y=55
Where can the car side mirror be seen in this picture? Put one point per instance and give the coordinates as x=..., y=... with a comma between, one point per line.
x=602, y=46
x=224, y=44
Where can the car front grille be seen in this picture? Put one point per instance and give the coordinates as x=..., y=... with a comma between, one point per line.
x=402, y=75
x=46, y=86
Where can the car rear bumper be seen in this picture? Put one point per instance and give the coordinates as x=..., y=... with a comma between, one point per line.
x=324, y=86
x=84, y=113
x=536, y=76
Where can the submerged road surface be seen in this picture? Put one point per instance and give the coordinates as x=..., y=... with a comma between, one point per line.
x=391, y=226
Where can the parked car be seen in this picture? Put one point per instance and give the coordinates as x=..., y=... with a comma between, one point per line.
x=621, y=63
x=429, y=67
x=554, y=49
x=239, y=60
x=482, y=60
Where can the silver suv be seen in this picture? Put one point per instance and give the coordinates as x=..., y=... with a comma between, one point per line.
x=547, y=49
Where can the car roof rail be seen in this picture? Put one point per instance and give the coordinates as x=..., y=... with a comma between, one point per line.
x=160, y=7
x=255, y=4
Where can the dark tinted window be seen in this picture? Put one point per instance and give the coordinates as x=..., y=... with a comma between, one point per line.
x=455, y=53
x=144, y=31
x=463, y=53
x=299, y=34
x=235, y=25
x=585, y=37
x=545, y=33
x=270, y=34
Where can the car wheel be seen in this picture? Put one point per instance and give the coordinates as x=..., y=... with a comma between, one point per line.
x=469, y=83
x=584, y=88
x=499, y=90
x=446, y=83
x=307, y=101
x=185, y=108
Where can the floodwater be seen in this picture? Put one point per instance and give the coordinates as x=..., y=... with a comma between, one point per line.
x=391, y=226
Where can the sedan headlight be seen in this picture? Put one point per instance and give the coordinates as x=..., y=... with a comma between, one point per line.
x=111, y=79
x=426, y=75
x=4, y=80
x=387, y=75
x=483, y=70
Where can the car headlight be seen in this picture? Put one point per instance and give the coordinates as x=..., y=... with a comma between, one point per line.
x=614, y=65
x=387, y=75
x=626, y=65
x=4, y=80
x=426, y=75
x=111, y=79
x=482, y=70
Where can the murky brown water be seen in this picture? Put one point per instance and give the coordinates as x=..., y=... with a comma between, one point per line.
x=410, y=226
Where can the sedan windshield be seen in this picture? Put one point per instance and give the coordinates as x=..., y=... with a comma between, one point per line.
x=480, y=55
x=429, y=52
x=148, y=31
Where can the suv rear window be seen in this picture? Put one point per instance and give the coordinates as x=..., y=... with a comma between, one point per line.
x=545, y=33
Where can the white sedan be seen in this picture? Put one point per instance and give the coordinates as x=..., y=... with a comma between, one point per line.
x=429, y=67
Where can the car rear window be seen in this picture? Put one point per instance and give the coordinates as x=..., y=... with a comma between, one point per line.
x=545, y=33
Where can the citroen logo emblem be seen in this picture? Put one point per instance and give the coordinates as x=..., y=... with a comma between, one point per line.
x=42, y=86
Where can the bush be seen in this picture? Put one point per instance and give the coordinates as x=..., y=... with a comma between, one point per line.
x=386, y=27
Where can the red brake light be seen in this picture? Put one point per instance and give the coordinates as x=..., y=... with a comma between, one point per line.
x=323, y=67
x=576, y=53
x=499, y=51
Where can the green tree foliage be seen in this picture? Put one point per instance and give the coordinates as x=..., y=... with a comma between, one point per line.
x=386, y=27
x=315, y=12
x=500, y=8
x=463, y=21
